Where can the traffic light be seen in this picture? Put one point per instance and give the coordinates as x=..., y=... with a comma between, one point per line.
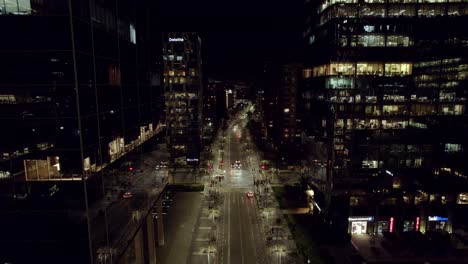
x=263, y=167
x=130, y=168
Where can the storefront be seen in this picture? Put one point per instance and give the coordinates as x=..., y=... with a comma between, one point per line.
x=437, y=223
x=383, y=226
x=360, y=224
x=409, y=225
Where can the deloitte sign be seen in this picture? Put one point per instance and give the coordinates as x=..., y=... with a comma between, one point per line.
x=176, y=39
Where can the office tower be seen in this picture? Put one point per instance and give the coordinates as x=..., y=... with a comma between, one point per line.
x=183, y=89
x=280, y=105
x=385, y=96
x=79, y=92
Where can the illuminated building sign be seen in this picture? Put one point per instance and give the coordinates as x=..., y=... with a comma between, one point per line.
x=437, y=218
x=191, y=160
x=418, y=223
x=361, y=218
x=176, y=40
x=391, y=224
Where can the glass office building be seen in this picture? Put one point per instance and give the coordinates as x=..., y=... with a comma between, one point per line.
x=385, y=93
x=79, y=92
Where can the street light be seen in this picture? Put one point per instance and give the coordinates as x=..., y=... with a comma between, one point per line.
x=280, y=251
x=210, y=250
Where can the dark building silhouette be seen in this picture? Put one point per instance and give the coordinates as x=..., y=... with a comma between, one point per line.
x=79, y=90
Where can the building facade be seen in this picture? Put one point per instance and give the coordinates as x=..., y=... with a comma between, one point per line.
x=384, y=94
x=280, y=107
x=183, y=89
x=79, y=91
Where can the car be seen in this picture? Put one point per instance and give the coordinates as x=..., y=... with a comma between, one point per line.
x=250, y=194
x=127, y=195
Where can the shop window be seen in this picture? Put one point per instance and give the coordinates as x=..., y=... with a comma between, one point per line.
x=170, y=57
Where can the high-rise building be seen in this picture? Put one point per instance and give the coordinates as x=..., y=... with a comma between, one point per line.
x=183, y=89
x=213, y=108
x=280, y=106
x=79, y=91
x=385, y=99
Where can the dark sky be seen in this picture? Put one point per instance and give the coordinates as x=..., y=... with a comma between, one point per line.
x=238, y=36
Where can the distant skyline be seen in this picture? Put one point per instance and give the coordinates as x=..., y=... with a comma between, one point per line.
x=238, y=36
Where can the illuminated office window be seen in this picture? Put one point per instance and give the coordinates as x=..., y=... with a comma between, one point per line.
x=398, y=41
x=371, y=10
x=398, y=69
x=452, y=148
x=369, y=68
x=307, y=73
x=339, y=83
x=401, y=10
x=15, y=7
x=422, y=109
x=449, y=109
x=7, y=99
x=429, y=10
x=370, y=41
x=132, y=34
x=341, y=69
x=171, y=73
x=393, y=109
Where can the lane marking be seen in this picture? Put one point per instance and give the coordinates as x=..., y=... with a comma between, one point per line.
x=229, y=230
x=240, y=236
x=205, y=227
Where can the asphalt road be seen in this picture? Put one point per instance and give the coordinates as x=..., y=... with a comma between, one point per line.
x=240, y=232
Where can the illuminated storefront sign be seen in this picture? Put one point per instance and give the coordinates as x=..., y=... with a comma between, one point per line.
x=361, y=218
x=437, y=218
x=391, y=224
x=418, y=223
x=176, y=40
x=191, y=160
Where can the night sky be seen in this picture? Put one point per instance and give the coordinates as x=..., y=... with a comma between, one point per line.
x=238, y=36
